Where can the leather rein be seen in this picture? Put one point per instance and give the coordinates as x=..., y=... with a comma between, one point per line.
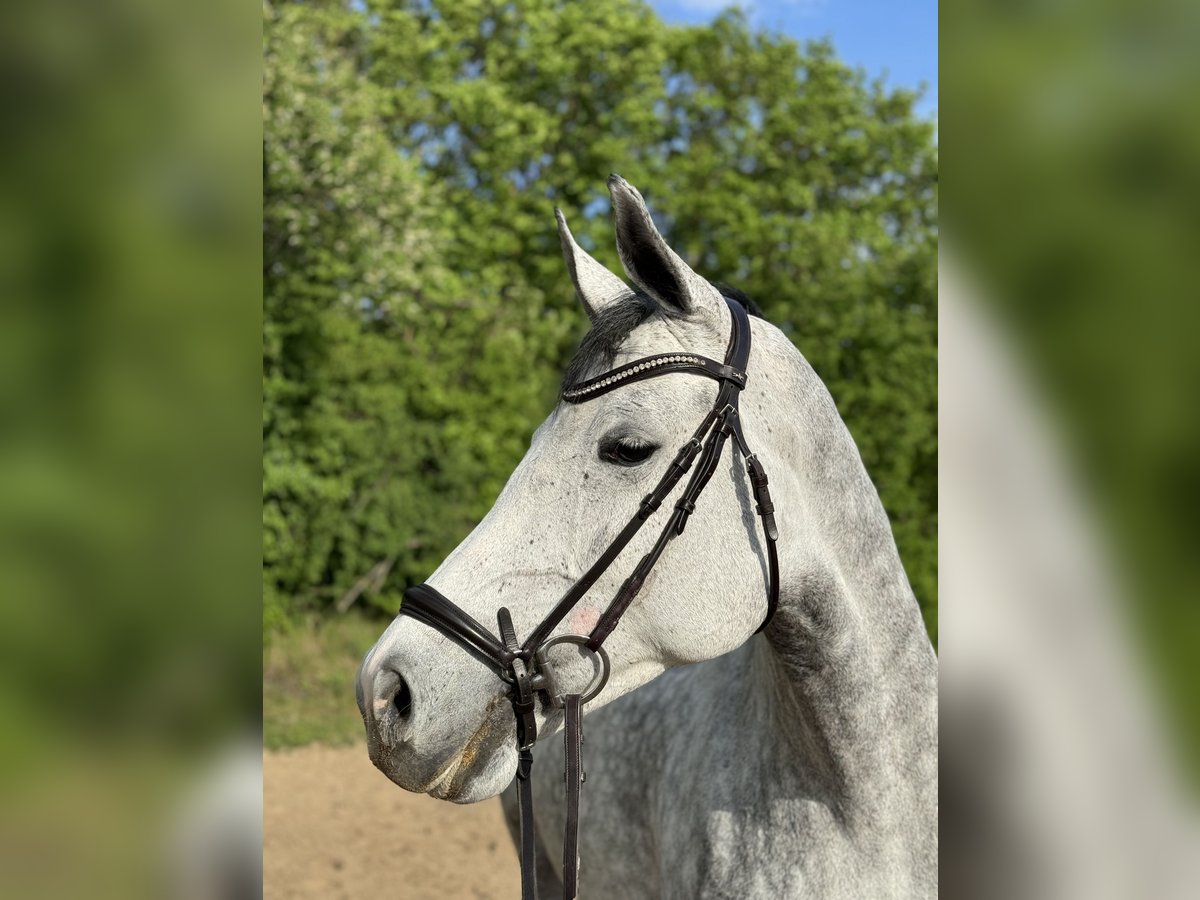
x=524, y=666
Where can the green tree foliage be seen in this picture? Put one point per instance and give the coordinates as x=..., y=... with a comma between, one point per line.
x=417, y=311
x=386, y=387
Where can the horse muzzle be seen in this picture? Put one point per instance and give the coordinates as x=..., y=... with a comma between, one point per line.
x=431, y=742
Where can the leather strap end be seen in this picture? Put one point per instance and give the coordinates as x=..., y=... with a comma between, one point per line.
x=573, y=740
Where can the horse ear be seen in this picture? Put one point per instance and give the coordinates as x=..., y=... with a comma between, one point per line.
x=595, y=286
x=650, y=263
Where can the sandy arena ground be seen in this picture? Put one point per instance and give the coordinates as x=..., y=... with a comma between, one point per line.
x=335, y=827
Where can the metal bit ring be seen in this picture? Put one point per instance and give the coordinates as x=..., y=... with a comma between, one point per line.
x=599, y=680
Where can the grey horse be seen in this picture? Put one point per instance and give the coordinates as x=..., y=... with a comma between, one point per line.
x=797, y=762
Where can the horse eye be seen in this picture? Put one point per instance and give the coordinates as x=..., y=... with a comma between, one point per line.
x=626, y=452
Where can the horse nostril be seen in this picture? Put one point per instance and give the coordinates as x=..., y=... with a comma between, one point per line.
x=402, y=700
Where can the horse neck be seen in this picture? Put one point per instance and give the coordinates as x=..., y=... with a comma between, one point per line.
x=850, y=672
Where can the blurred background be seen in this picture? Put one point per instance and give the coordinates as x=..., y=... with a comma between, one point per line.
x=411, y=156
x=129, y=417
x=1069, y=447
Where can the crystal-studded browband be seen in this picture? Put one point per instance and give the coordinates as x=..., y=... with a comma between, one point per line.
x=650, y=367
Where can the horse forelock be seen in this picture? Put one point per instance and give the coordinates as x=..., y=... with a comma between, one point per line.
x=610, y=327
x=614, y=323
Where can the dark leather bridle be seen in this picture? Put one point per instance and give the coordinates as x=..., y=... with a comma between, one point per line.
x=523, y=666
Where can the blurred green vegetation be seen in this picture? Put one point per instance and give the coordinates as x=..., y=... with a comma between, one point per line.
x=129, y=430
x=128, y=400
x=417, y=311
x=1074, y=201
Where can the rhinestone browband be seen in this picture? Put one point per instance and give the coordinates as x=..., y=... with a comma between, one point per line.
x=649, y=366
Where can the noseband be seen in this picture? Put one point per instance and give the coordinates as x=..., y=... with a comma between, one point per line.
x=524, y=666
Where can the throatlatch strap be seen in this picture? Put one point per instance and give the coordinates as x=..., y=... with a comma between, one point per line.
x=573, y=738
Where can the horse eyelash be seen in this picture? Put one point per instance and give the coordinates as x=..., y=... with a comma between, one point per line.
x=611, y=446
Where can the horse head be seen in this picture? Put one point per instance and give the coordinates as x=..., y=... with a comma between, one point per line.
x=437, y=720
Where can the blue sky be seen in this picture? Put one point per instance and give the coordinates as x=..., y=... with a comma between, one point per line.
x=895, y=38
